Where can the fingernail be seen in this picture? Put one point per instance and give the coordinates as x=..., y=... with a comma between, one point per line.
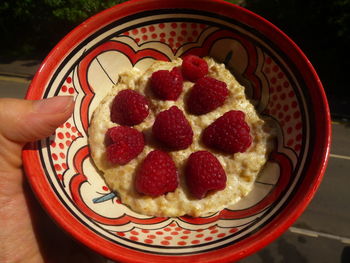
x=53, y=105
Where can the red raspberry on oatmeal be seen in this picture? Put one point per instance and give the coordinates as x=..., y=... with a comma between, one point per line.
x=206, y=95
x=229, y=133
x=157, y=174
x=123, y=144
x=167, y=85
x=204, y=173
x=172, y=129
x=129, y=108
x=194, y=67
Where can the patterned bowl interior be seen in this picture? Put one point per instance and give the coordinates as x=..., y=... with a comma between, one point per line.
x=88, y=71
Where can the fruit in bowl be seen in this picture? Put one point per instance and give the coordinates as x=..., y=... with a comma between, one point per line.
x=103, y=53
x=209, y=130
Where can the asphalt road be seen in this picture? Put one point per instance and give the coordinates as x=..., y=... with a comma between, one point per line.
x=321, y=234
x=9, y=87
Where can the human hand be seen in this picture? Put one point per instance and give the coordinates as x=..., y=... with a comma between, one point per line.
x=27, y=234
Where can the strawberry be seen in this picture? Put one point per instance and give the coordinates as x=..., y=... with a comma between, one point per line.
x=204, y=173
x=157, y=174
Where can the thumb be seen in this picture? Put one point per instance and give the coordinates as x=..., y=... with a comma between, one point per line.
x=23, y=121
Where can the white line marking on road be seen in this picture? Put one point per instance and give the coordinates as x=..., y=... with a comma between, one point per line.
x=311, y=233
x=339, y=156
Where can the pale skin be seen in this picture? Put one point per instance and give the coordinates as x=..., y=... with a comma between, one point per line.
x=27, y=234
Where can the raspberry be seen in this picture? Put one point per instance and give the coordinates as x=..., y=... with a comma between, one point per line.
x=204, y=173
x=194, y=67
x=157, y=175
x=206, y=95
x=173, y=129
x=123, y=144
x=229, y=133
x=167, y=85
x=129, y=108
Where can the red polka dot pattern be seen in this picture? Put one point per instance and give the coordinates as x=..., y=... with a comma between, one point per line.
x=59, y=145
x=173, y=34
x=175, y=235
x=68, y=88
x=61, y=140
x=283, y=104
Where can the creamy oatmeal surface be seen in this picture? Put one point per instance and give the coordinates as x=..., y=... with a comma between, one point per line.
x=241, y=168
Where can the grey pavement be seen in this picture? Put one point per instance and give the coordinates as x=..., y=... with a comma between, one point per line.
x=293, y=248
x=24, y=68
x=322, y=232
x=15, y=77
x=11, y=89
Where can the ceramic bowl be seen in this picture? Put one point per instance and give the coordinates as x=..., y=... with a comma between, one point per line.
x=278, y=78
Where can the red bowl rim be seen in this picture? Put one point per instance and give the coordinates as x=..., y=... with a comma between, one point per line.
x=280, y=223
